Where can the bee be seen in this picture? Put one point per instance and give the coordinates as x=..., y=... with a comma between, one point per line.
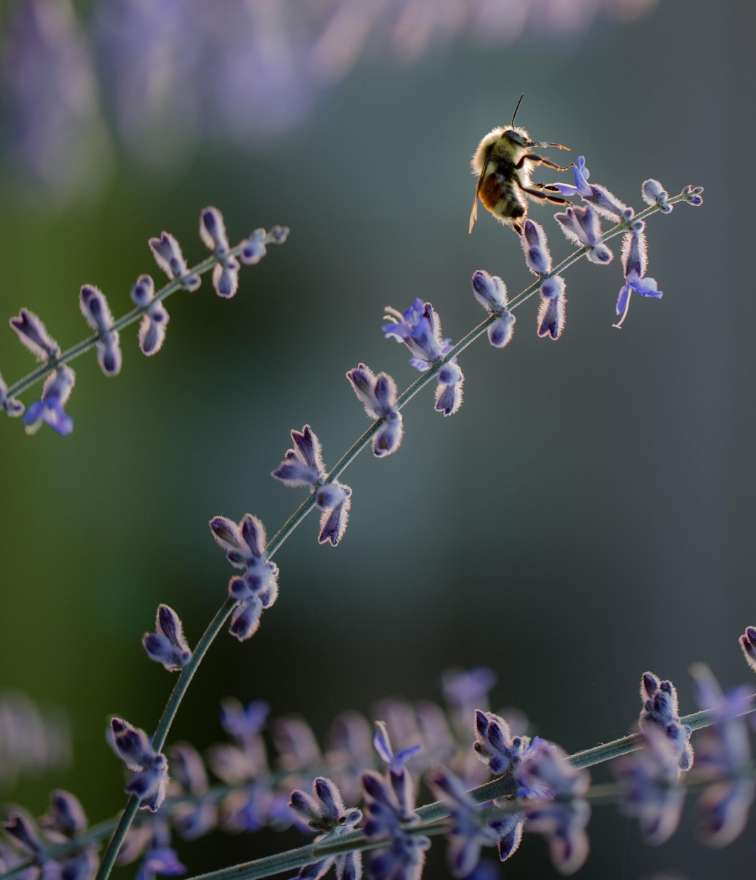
x=503, y=163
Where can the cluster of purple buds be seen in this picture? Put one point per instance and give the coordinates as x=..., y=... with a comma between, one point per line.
x=593, y=194
x=419, y=329
x=152, y=843
x=378, y=395
x=469, y=831
x=558, y=811
x=491, y=292
x=661, y=711
x=254, y=248
x=257, y=588
x=649, y=782
x=167, y=645
x=302, y=465
x=582, y=226
x=170, y=258
x=654, y=194
x=149, y=780
x=634, y=264
x=199, y=813
x=50, y=408
x=155, y=318
x=723, y=754
x=324, y=813
x=97, y=314
x=552, y=311
x=465, y=691
x=748, y=646
x=226, y=271
x=496, y=746
x=389, y=808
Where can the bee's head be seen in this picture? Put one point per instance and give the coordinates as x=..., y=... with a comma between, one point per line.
x=518, y=137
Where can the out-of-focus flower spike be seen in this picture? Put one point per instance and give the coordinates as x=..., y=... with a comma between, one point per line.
x=552, y=312
x=653, y=193
x=169, y=257
x=213, y=234
x=155, y=320
x=491, y=292
x=50, y=408
x=10, y=405
x=378, y=395
x=535, y=246
x=149, y=779
x=167, y=645
x=66, y=814
x=23, y=829
x=199, y=814
x=96, y=312
x=748, y=645
x=33, y=334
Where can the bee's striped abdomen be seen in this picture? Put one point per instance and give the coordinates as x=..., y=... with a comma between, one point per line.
x=502, y=197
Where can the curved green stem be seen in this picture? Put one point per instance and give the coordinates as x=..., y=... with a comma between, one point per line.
x=300, y=513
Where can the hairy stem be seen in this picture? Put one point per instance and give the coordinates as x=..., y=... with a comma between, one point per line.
x=291, y=524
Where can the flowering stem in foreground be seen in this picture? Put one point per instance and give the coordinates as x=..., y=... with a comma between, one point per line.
x=432, y=815
x=126, y=320
x=299, y=514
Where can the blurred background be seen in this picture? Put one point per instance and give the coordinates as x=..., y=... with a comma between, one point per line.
x=586, y=515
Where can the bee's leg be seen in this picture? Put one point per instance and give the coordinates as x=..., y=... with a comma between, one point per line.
x=541, y=160
x=543, y=193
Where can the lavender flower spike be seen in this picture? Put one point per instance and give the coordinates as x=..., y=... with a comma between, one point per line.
x=723, y=754
x=257, y=588
x=168, y=255
x=302, y=465
x=49, y=409
x=748, y=645
x=378, y=395
x=660, y=711
x=97, y=314
x=536, y=248
x=582, y=227
x=200, y=814
x=149, y=781
x=326, y=814
x=213, y=234
x=635, y=262
x=155, y=319
x=33, y=334
x=491, y=293
x=10, y=405
x=167, y=644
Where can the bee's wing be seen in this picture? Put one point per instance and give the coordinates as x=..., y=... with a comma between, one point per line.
x=473, y=212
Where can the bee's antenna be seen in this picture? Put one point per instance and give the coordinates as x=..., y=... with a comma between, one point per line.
x=516, y=109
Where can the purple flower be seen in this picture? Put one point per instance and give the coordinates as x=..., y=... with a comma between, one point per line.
x=326, y=814
x=213, y=234
x=491, y=293
x=297, y=747
x=378, y=395
x=535, y=246
x=254, y=248
x=192, y=819
x=152, y=841
x=449, y=388
x=167, y=253
x=599, y=197
x=495, y=745
x=748, y=644
x=167, y=644
x=249, y=761
x=469, y=832
x=583, y=227
x=244, y=723
x=350, y=752
x=50, y=408
x=650, y=789
x=560, y=814
x=723, y=755
x=155, y=319
x=33, y=334
x=552, y=312
x=661, y=711
x=653, y=193
x=20, y=826
x=149, y=781
x=97, y=314
x=635, y=261
x=693, y=195
x=419, y=329
x=389, y=807
x=10, y=405
x=257, y=588
x=302, y=465
x=64, y=821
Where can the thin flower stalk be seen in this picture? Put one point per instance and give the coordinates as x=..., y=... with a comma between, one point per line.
x=290, y=525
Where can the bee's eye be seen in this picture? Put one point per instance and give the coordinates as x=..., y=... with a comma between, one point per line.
x=515, y=137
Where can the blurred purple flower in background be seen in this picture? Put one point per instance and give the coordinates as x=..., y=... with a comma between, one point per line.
x=167, y=75
x=31, y=741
